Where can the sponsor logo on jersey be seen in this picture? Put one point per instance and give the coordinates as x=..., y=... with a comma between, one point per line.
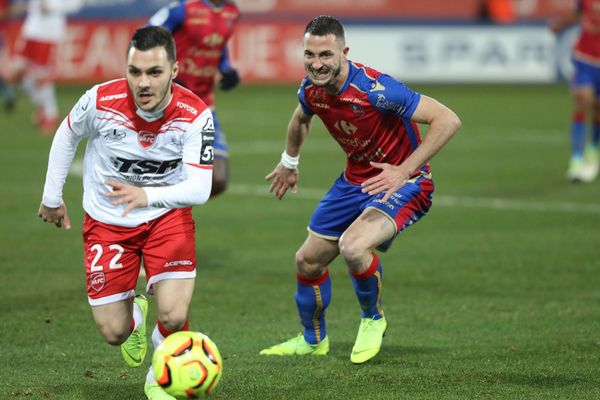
x=141, y=167
x=113, y=97
x=113, y=135
x=187, y=107
x=176, y=263
x=146, y=139
x=384, y=104
x=97, y=281
x=377, y=86
x=213, y=40
x=321, y=105
x=317, y=95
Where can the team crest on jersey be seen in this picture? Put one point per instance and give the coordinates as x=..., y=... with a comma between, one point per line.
x=358, y=110
x=147, y=139
x=97, y=281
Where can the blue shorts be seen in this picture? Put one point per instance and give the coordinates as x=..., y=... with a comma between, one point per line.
x=586, y=75
x=221, y=150
x=345, y=202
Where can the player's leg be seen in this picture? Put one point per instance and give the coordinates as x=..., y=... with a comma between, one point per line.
x=112, y=267
x=220, y=178
x=170, y=263
x=592, y=151
x=313, y=294
x=376, y=226
x=582, y=92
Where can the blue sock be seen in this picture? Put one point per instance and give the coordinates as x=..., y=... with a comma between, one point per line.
x=595, y=134
x=367, y=286
x=577, y=134
x=312, y=298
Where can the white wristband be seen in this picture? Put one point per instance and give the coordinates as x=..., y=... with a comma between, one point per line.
x=288, y=161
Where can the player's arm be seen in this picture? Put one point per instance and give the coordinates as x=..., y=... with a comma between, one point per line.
x=170, y=17
x=229, y=75
x=64, y=146
x=565, y=21
x=197, y=167
x=443, y=124
x=285, y=175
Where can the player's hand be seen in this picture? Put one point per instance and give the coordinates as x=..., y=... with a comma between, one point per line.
x=283, y=179
x=134, y=196
x=229, y=79
x=57, y=216
x=390, y=179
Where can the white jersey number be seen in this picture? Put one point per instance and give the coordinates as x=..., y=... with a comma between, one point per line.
x=114, y=262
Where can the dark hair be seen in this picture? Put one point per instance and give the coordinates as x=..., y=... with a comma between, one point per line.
x=153, y=36
x=325, y=25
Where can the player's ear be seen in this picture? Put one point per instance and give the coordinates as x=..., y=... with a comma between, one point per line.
x=175, y=70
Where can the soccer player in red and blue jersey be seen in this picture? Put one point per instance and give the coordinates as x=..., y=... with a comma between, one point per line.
x=201, y=29
x=385, y=187
x=585, y=90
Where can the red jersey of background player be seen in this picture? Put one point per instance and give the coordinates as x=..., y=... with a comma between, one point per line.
x=369, y=117
x=201, y=31
x=587, y=48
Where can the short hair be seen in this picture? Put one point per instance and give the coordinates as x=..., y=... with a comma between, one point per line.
x=154, y=36
x=325, y=25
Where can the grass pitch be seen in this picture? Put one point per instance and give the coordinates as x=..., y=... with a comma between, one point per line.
x=494, y=295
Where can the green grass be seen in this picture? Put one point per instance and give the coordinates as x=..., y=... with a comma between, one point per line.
x=494, y=295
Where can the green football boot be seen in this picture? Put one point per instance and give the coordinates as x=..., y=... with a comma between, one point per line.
x=298, y=346
x=368, y=340
x=134, y=348
x=153, y=391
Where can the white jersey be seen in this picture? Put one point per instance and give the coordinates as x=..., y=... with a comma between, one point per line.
x=46, y=20
x=170, y=155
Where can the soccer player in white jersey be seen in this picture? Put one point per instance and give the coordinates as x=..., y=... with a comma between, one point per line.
x=148, y=159
x=44, y=28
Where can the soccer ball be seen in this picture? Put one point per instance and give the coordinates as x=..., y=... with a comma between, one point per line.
x=187, y=365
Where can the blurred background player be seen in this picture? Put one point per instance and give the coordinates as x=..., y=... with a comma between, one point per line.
x=33, y=64
x=201, y=29
x=585, y=89
x=6, y=90
x=148, y=160
x=385, y=187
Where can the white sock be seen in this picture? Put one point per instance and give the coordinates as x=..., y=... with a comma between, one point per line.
x=47, y=97
x=138, y=316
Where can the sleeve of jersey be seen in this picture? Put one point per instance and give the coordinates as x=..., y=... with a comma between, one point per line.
x=197, y=168
x=392, y=97
x=302, y=98
x=170, y=17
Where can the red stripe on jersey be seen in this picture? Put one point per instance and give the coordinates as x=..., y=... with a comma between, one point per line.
x=201, y=166
x=69, y=121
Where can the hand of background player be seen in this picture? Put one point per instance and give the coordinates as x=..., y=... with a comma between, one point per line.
x=282, y=180
x=391, y=178
x=229, y=79
x=134, y=196
x=57, y=216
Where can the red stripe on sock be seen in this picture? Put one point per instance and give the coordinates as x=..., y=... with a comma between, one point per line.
x=369, y=272
x=308, y=281
x=578, y=116
x=165, y=332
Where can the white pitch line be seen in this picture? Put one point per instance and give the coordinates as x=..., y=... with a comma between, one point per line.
x=491, y=203
x=442, y=201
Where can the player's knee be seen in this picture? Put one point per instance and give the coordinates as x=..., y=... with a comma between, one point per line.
x=112, y=334
x=351, y=249
x=173, y=320
x=306, y=267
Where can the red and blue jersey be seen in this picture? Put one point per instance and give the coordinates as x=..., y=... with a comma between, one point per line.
x=369, y=117
x=587, y=48
x=201, y=31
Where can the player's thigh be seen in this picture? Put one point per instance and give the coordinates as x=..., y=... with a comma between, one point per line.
x=114, y=318
x=220, y=169
x=368, y=231
x=173, y=297
x=112, y=261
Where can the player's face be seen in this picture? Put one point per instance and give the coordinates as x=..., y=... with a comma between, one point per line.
x=149, y=74
x=325, y=60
